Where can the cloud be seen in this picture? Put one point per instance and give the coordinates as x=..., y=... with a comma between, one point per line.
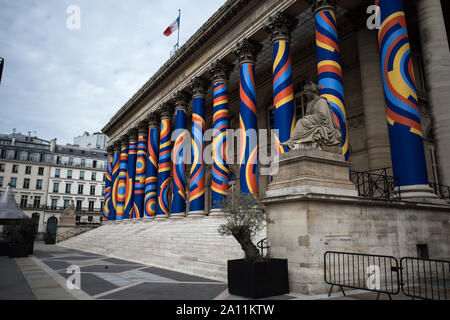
x=62, y=82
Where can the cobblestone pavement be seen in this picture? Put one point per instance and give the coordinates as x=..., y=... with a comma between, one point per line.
x=43, y=276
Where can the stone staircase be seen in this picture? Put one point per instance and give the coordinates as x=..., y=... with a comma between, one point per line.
x=189, y=245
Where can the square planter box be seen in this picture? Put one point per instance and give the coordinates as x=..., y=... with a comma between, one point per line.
x=18, y=250
x=258, y=280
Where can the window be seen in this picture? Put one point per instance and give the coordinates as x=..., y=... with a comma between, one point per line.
x=41, y=171
x=57, y=173
x=83, y=162
x=70, y=161
x=101, y=205
x=66, y=203
x=92, y=191
x=90, y=219
x=81, y=175
x=54, y=204
x=23, y=155
x=79, y=203
x=94, y=176
x=26, y=183
x=77, y=219
x=68, y=185
x=35, y=156
x=103, y=190
x=80, y=189
x=15, y=168
x=91, y=205
x=55, y=187
x=94, y=164
x=37, y=201
x=10, y=154
x=23, y=201
x=422, y=251
x=104, y=178
x=1, y=181
x=13, y=182
x=28, y=170
x=39, y=184
x=2, y=167
x=69, y=174
x=58, y=160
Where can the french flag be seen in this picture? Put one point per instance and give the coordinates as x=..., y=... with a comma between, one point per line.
x=172, y=28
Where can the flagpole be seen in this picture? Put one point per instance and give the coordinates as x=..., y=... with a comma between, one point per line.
x=179, y=24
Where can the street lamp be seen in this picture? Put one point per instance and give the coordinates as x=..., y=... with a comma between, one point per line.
x=2, y=61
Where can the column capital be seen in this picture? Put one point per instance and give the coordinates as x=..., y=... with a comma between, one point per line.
x=198, y=86
x=220, y=71
x=132, y=134
x=124, y=139
x=247, y=51
x=116, y=146
x=110, y=149
x=280, y=26
x=166, y=111
x=153, y=119
x=143, y=128
x=180, y=100
x=320, y=5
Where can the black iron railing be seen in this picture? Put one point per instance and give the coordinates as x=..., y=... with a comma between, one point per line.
x=443, y=192
x=425, y=278
x=263, y=245
x=376, y=184
x=374, y=273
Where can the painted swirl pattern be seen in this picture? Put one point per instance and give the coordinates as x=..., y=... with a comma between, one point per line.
x=248, y=125
x=139, y=183
x=114, y=185
x=129, y=194
x=164, y=169
x=108, y=181
x=178, y=171
x=330, y=71
x=197, y=179
x=122, y=183
x=283, y=93
x=151, y=174
x=402, y=111
x=220, y=125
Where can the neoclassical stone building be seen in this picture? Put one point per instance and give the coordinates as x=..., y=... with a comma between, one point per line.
x=245, y=68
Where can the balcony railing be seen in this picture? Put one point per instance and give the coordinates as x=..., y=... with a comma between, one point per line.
x=443, y=192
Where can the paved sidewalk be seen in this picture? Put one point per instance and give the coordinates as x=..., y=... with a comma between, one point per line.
x=44, y=275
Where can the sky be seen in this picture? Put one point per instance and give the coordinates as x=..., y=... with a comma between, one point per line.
x=59, y=81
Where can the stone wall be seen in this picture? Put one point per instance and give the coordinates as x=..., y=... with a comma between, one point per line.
x=306, y=226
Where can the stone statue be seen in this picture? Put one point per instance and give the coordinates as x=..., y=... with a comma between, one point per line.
x=318, y=127
x=70, y=210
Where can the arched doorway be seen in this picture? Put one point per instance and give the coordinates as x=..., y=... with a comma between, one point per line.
x=50, y=235
x=35, y=218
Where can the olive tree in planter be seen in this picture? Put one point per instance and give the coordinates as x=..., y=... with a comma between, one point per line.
x=254, y=276
x=20, y=237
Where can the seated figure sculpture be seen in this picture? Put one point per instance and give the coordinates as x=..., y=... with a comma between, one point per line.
x=318, y=127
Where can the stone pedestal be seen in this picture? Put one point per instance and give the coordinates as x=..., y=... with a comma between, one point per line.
x=66, y=227
x=312, y=171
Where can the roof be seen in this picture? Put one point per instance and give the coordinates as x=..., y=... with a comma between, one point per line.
x=8, y=206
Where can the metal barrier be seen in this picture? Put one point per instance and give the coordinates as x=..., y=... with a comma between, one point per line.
x=425, y=278
x=374, y=273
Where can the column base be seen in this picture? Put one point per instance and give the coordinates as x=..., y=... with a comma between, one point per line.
x=196, y=214
x=161, y=216
x=177, y=215
x=418, y=193
x=217, y=213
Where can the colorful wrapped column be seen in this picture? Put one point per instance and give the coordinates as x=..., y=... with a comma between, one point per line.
x=329, y=64
x=122, y=179
x=141, y=161
x=131, y=173
x=247, y=51
x=220, y=174
x=115, y=181
x=108, y=182
x=151, y=173
x=164, y=163
x=280, y=27
x=178, y=166
x=197, y=178
x=402, y=111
